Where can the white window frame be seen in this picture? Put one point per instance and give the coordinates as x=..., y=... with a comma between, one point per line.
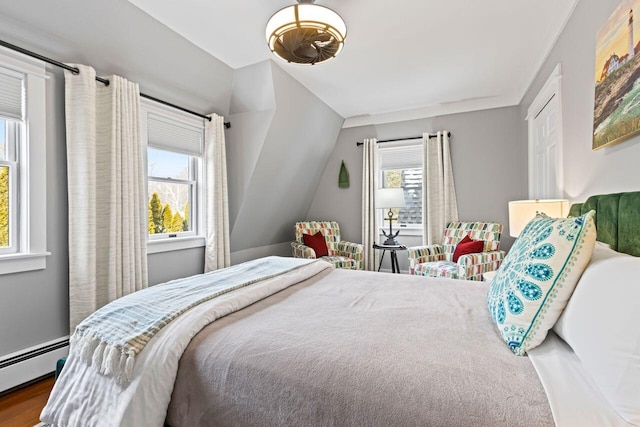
x=407, y=229
x=186, y=239
x=29, y=173
x=194, y=203
x=13, y=139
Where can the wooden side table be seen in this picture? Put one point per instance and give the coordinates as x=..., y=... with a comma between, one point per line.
x=395, y=268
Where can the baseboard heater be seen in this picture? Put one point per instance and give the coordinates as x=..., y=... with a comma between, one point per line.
x=31, y=363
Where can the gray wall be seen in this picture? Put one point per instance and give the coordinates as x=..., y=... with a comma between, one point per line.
x=165, y=266
x=489, y=158
x=118, y=38
x=586, y=172
x=114, y=38
x=279, y=145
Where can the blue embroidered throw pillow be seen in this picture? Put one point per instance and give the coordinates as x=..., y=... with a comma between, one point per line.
x=538, y=276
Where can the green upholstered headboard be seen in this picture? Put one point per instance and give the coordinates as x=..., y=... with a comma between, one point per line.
x=617, y=219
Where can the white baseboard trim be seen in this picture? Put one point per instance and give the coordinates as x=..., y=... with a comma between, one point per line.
x=31, y=363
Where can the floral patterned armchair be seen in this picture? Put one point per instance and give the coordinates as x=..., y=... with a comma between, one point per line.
x=437, y=260
x=341, y=254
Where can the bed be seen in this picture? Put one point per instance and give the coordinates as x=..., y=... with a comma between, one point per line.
x=337, y=347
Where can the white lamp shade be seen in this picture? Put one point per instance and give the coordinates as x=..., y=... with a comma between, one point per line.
x=390, y=198
x=523, y=211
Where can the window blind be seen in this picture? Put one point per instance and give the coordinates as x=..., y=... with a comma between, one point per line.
x=406, y=157
x=166, y=134
x=11, y=94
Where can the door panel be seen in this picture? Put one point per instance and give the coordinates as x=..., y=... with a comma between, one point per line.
x=546, y=154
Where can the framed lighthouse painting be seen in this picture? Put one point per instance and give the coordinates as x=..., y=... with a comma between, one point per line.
x=616, y=115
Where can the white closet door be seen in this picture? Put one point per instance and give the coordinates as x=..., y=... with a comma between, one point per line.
x=545, y=141
x=546, y=152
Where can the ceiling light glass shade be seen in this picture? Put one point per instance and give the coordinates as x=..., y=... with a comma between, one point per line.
x=523, y=211
x=306, y=34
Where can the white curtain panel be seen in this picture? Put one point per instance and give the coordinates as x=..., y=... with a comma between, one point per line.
x=370, y=231
x=106, y=182
x=217, y=253
x=439, y=204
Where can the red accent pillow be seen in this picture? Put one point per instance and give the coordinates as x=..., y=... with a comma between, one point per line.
x=467, y=246
x=317, y=243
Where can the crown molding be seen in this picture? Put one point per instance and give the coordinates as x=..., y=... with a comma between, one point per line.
x=432, y=111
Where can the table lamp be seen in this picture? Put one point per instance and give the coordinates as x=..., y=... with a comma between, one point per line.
x=390, y=198
x=523, y=211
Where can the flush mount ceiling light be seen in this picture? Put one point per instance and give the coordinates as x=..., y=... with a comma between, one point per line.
x=306, y=33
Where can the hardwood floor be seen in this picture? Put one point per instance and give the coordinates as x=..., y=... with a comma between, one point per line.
x=22, y=408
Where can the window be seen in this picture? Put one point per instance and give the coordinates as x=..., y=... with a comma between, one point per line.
x=22, y=164
x=174, y=168
x=401, y=166
x=170, y=193
x=9, y=214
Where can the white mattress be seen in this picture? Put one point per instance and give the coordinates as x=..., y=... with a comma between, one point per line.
x=574, y=398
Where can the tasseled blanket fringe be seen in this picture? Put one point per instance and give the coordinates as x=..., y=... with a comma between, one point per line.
x=109, y=360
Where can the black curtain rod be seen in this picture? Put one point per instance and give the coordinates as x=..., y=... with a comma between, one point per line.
x=74, y=70
x=402, y=139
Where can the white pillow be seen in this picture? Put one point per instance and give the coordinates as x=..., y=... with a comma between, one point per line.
x=604, y=245
x=602, y=324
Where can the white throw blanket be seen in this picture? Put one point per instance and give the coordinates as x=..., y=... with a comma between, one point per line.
x=84, y=397
x=110, y=338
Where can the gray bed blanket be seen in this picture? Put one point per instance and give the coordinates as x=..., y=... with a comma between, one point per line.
x=351, y=348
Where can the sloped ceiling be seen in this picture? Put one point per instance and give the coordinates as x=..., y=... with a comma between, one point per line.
x=414, y=56
x=278, y=146
x=118, y=38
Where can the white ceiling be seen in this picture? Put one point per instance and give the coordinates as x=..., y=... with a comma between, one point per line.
x=402, y=59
